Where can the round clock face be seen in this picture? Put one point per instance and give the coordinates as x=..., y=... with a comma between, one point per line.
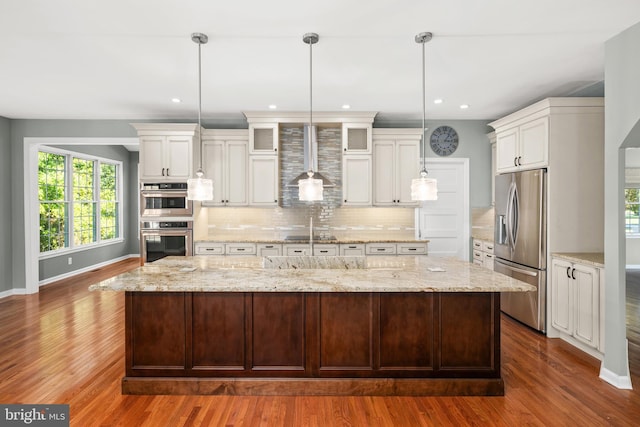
x=444, y=140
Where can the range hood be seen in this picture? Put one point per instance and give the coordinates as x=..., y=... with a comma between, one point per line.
x=310, y=152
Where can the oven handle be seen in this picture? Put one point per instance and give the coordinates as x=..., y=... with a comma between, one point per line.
x=163, y=193
x=165, y=232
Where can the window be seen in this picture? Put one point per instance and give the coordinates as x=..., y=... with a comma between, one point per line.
x=631, y=210
x=79, y=200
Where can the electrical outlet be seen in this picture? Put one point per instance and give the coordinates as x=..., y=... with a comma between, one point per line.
x=70, y=260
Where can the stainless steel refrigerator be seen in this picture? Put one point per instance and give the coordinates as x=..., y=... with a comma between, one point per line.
x=520, y=242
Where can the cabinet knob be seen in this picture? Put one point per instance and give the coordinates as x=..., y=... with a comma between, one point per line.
x=345, y=200
x=275, y=149
x=345, y=149
x=275, y=201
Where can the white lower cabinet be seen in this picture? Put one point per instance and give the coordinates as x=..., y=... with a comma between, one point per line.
x=296, y=249
x=269, y=249
x=240, y=248
x=380, y=248
x=209, y=248
x=575, y=302
x=483, y=253
x=352, y=249
x=411, y=248
x=325, y=249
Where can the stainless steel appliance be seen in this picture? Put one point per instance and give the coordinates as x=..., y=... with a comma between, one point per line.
x=165, y=199
x=159, y=239
x=520, y=242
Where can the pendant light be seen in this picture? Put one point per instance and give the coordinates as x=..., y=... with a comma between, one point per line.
x=199, y=188
x=310, y=189
x=424, y=188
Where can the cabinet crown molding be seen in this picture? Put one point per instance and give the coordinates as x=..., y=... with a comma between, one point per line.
x=303, y=116
x=548, y=106
x=148, y=129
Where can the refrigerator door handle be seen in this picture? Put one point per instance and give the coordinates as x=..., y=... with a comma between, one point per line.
x=510, y=236
x=516, y=215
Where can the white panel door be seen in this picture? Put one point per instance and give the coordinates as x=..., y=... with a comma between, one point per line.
x=356, y=180
x=445, y=222
x=263, y=180
x=384, y=173
x=407, y=168
x=237, y=174
x=178, y=159
x=213, y=155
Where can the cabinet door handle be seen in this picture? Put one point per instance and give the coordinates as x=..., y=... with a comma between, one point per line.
x=324, y=251
x=240, y=249
x=167, y=171
x=519, y=160
x=380, y=249
x=569, y=272
x=269, y=246
x=515, y=161
x=162, y=171
x=573, y=274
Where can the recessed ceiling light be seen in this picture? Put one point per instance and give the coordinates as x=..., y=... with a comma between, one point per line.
x=464, y=106
x=273, y=106
x=437, y=101
x=346, y=106
x=176, y=100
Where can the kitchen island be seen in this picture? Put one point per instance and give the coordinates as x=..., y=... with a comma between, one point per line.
x=242, y=325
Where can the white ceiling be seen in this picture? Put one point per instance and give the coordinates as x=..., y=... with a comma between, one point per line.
x=117, y=59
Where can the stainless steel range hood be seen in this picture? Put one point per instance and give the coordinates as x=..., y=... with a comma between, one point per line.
x=310, y=151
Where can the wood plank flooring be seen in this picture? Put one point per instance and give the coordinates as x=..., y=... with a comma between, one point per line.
x=66, y=345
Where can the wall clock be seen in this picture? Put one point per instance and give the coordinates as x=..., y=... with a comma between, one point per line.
x=444, y=140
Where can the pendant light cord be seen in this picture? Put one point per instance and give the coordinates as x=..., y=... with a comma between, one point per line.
x=311, y=133
x=200, y=103
x=424, y=114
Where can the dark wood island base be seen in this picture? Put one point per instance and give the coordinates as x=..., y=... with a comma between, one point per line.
x=271, y=343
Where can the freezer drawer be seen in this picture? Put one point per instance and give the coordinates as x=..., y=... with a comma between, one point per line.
x=527, y=307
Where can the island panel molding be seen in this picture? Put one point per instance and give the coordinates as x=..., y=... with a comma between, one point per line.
x=376, y=342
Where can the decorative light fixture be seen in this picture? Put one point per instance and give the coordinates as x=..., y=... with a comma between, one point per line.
x=199, y=188
x=310, y=189
x=424, y=188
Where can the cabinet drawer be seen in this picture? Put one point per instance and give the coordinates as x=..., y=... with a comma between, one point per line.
x=487, y=247
x=352, y=249
x=269, y=249
x=411, y=248
x=477, y=244
x=209, y=249
x=240, y=249
x=487, y=261
x=296, y=250
x=477, y=255
x=478, y=262
x=380, y=248
x=325, y=250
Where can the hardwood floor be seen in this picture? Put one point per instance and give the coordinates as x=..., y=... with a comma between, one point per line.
x=66, y=345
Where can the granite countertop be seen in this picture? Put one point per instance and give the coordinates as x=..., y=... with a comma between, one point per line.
x=593, y=258
x=246, y=274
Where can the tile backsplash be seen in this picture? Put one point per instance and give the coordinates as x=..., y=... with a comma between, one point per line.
x=277, y=223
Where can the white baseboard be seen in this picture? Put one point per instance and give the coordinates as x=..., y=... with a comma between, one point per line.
x=11, y=292
x=622, y=382
x=85, y=269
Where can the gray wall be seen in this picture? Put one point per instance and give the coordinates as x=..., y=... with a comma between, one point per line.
x=473, y=144
x=54, y=128
x=622, y=119
x=5, y=208
x=55, y=266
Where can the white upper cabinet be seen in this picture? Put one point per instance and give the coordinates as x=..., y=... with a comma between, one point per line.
x=263, y=138
x=225, y=160
x=523, y=147
x=396, y=161
x=263, y=181
x=356, y=138
x=166, y=151
x=356, y=180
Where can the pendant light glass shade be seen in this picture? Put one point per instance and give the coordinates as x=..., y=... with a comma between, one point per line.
x=423, y=188
x=199, y=188
x=310, y=189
